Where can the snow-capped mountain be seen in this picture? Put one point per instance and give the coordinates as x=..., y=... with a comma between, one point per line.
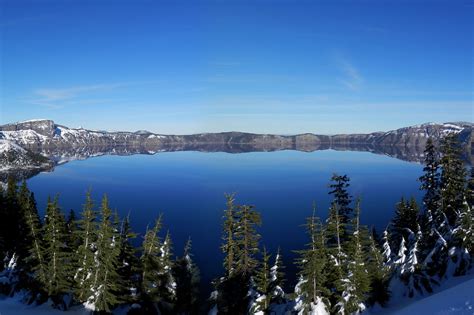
x=12, y=156
x=61, y=144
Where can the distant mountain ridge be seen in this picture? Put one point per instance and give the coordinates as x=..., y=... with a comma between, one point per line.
x=61, y=144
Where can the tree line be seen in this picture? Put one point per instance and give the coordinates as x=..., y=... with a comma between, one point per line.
x=345, y=268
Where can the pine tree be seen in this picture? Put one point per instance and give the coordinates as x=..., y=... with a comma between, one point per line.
x=229, y=247
x=187, y=278
x=312, y=288
x=277, y=276
x=85, y=252
x=405, y=221
x=105, y=279
x=430, y=179
x=357, y=282
x=470, y=189
x=246, y=239
x=127, y=262
x=241, y=247
x=453, y=178
x=263, y=284
x=166, y=281
x=35, y=261
x=379, y=273
x=342, y=199
x=150, y=263
x=56, y=254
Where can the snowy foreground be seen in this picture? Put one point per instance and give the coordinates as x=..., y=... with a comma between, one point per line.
x=457, y=297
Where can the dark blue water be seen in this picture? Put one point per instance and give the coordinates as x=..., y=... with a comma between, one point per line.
x=188, y=188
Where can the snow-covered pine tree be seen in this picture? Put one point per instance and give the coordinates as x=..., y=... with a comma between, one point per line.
x=187, y=278
x=470, y=189
x=84, y=260
x=277, y=277
x=387, y=252
x=127, y=263
x=56, y=253
x=430, y=178
x=453, y=178
x=105, y=279
x=166, y=281
x=356, y=283
x=150, y=262
x=312, y=290
x=262, y=285
x=379, y=272
x=406, y=217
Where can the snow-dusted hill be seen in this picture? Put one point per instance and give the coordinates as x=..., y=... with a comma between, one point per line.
x=61, y=144
x=12, y=157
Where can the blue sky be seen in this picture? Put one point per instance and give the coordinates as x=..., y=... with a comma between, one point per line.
x=258, y=66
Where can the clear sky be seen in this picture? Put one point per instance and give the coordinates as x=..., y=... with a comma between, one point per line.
x=259, y=66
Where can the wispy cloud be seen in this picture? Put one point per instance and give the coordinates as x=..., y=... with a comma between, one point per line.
x=352, y=80
x=55, y=98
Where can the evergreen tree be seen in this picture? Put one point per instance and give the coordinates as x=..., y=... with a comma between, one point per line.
x=342, y=199
x=263, y=284
x=453, y=178
x=35, y=261
x=470, y=189
x=430, y=179
x=357, y=282
x=127, y=262
x=166, y=281
x=56, y=254
x=85, y=263
x=187, y=278
x=105, y=279
x=277, y=276
x=404, y=222
x=312, y=289
x=246, y=239
x=229, y=247
x=241, y=240
x=379, y=274
x=150, y=263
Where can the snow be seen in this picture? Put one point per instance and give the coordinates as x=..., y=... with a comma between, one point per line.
x=6, y=145
x=456, y=298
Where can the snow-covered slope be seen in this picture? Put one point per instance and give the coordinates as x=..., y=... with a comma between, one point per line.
x=12, y=156
x=458, y=299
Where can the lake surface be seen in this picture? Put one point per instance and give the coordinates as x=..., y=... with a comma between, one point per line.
x=188, y=188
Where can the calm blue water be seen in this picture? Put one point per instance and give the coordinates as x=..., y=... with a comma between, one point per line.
x=188, y=188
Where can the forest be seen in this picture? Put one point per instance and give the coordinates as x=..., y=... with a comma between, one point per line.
x=345, y=267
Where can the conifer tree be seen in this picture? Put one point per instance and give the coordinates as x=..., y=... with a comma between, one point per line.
x=127, y=262
x=166, y=281
x=105, y=279
x=85, y=263
x=404, y=222
x=277, y=276
x=229, y=247
x=470, y=189
x=35, y=261
x=263, y=284
x=312, y=289
x=150, y=263
x=342, y=199
x=56, y=254
x=187, y=278
x=379, y=274
x=357, y=282
x=246, y=239
x=453, y=178
x=430, y=179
